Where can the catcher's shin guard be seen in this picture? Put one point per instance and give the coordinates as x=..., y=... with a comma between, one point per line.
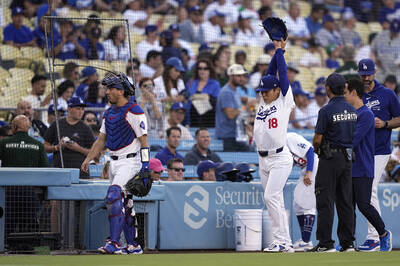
x=129, y=223
x=115, y=215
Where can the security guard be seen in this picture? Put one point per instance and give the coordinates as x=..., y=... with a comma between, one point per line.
x=333, y=143
x=21, y=150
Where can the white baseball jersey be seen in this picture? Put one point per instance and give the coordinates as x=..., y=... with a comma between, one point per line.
x=298, y=146
x=271, y=123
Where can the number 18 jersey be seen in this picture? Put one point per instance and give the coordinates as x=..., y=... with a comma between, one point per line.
x=271, y=122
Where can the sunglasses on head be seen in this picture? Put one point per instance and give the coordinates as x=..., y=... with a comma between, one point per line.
x=178, y=169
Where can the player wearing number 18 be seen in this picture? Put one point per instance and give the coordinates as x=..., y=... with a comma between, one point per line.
x=275, y=160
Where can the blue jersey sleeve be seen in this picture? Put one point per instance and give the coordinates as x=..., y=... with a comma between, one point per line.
x=364, y=123
x=272, y=68
x=310, y=159
x=282, y=70
x=394, y=105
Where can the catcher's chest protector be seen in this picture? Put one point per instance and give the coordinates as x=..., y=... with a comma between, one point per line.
x=119, y=133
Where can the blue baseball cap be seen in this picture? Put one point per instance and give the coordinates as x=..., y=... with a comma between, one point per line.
x=328, y=18
x=150, y=28
x=267, y=83
x=178, y=106
x=176, y=63
x=204, y=166
x=204, y=46
x=167, y=35
x=194, y=9
x=87, y=72
x=320, y=81
x=335, y=80
x=174, y=27
x=366, y=67
x=51, y=110
x=76, y=101
x=320, y=91
x=395, y=26
x=299, y=91
x=17, y=11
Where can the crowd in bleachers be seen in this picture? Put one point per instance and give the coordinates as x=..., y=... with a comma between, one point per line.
x=186, y=56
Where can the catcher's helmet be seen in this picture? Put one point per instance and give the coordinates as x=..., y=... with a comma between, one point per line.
x=276, y=28
x=119, y=81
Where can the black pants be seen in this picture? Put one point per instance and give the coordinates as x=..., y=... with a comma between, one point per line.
x=362, y=187
x=333, y=183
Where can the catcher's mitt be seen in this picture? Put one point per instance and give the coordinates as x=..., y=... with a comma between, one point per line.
x=276, y=29
x=140, y=184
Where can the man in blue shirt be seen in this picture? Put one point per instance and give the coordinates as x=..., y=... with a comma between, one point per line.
x=386, y=108
x=228, y=109
x=363, y=165
x=333, y=142
x=173, y=139
x=68, y=47
x=94, y=50
x=89, y=76
x=313, y=21
x=15, y=33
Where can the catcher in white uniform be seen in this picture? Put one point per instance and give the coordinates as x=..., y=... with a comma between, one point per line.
x=275, y=160
x=304, y=197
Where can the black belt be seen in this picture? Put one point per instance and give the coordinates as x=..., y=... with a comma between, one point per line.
x=129, y=155
x=265, y=153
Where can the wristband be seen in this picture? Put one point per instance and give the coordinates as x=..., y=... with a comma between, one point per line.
x=145, y=155
x=386, y=124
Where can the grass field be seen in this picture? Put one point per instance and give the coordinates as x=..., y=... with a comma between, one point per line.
x=211, y=259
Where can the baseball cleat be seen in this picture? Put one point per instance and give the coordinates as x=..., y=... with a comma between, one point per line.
x=370, y=245
x=319, y=248
x=386, y=241
x=131, y=249
x=111, y=248
x=349, y=248
x=300, y=245
x=277, y=248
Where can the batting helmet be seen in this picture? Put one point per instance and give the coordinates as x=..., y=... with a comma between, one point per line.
x=119, y=81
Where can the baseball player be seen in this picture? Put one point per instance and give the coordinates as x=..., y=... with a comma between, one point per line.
x=304, y=197
x=124, y=133
x=275, y=160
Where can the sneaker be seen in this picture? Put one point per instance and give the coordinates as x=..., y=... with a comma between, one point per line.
x=386, y=241
x=349, y=248
x=338, y=247
x=111, y=248
x=319, y=248
x=370, y=245
x=276, y=248
x=131, y=249
x=300, y=245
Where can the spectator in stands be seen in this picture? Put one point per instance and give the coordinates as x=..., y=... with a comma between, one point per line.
x=228, y=109
x=214, y=28
x=71, y=72
x=175, y=169
x=89, y=5
x=21, y=150
x=221, y=62
x=296, y=25
x=240, y=57
x=156, y=169
x=137, y=16
x=68, y=47
x=192, y=28
x=169, y=152
x=259, y=70
x=292, y=72
x=51, y=114
x=89, y=75
x=76, y=138
x=333, y=53
x=200, y=151
x=328, y=34
x=348, y=34
x=133, y=72
x=96, y=96
x=37, y=97
x=206, y=170
x=262, y=37
x=90, y=118
x=386, y=49
x=169, y=85
x=178, y=41
x=391, y=83
x=64, y=92
x=203, y=91
x=94, y=49
x=313, y=21
x=168, y=51
x=320, y=99
x=38, y=128
x=229, y=10
x=150, y=43
x=39, y=33
x=269, y=49
x=116, y=46
x=176, y=116
x=350, y=68
x=248, y=7
x=245, y=36
x=91, y=22
x=299, y=117
x=314, y=56
x=388, y=13
x=153, y=67
x=365, y=51
x=153, y=109
x=17, y=34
